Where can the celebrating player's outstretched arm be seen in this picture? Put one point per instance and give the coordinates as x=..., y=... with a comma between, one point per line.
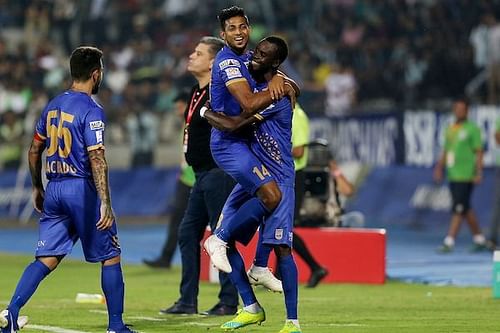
x=35, y=164
x=99, y=167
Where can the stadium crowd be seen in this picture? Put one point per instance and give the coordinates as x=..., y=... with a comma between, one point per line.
x=395, y=53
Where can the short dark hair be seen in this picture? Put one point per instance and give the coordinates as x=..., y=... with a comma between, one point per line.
x=463, y=99
x=281, y=47
x=227, y=13
x=215, y=44
x=83, y=61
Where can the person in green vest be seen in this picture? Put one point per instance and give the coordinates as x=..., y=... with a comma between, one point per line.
x=495, y=218
x=463, y=159
x=300, y=140
x=185, y=182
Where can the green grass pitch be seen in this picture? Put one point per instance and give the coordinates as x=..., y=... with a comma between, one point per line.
x=393, y=307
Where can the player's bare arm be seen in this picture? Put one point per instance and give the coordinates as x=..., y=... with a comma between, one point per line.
x=253, y=103
x=250, y=103
x=229, y=123
x=288, y=80
x=99, y=167
x=35, y=164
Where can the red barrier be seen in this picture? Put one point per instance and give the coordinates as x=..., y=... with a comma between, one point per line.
x=350, y=255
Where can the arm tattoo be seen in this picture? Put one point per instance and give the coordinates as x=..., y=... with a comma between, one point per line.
x=100, y=174
x=35, y=163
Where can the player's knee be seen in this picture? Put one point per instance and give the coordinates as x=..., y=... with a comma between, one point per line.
x=271, y=197
x=111, y=261
x=282, y=251
x=50, y=262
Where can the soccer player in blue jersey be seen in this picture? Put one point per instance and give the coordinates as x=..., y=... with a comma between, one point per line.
x=270, y=142
x=76, y=203
x=232, y=94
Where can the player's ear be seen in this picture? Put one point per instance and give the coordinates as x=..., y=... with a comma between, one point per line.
x=211, y=64
x=222, y=35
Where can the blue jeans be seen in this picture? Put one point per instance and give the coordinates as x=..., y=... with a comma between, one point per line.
x=204, y=206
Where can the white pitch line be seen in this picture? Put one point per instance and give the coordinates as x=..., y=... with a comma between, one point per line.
x=146, y=318
x=343, y=325
x=53, y=329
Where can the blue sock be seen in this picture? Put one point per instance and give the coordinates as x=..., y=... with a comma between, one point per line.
x=29, y=281
x=289, y=277
x=114, y=290
x=245, y=221
x=262, y=254
x=239, y=277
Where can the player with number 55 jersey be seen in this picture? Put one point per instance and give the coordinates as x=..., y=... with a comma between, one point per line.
x=76, y=204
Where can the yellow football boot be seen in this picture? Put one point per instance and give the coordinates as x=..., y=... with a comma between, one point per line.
x=290, y=328
x=244, y=318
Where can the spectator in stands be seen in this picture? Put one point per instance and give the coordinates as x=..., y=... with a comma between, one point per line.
x=463, y=159
x=495, y=218
x=340, y=89
x=11, y=140
x=142, y=131
x=493, y=59
x=184, y=185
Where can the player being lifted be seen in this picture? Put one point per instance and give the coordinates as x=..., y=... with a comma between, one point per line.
x=232, y=94
x=76, y=203
x=271, y=144
x=244, y=209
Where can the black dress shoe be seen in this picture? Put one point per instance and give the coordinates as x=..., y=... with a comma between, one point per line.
x=157, y=263
x=316, y=276
x=220, y=309
x=179, y=308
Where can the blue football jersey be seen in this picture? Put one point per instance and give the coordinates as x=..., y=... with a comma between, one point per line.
x=228, y=67
x=272, y=141
x=72, y=124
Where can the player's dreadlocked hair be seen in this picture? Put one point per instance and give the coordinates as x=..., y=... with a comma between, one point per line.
x=281, y=47
x=227, y=13
x=83, y=61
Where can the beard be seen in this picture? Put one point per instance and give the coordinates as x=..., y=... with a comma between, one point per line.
x=95, y=88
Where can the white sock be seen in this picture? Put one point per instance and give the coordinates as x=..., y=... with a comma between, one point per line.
x=258, y=269
x=220, y=240
x=295, y=322
x=253, y=308
x=449, y=241
x=479, y=239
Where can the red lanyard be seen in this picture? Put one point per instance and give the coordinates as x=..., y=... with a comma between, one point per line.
x=193, y=105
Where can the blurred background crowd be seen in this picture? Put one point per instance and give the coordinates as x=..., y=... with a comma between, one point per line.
x=349, y=56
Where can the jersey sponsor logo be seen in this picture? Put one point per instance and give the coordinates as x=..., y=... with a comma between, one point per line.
x=278, y=234
x=233, y=72
x=96, y=125
x=229, y=62
x=98, y=136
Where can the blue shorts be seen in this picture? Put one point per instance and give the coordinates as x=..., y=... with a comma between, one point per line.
x=275, y=229
x=71, y=211
x=238, y=161
x=278, y=227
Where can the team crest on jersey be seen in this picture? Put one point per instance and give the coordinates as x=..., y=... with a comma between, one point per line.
x=96, y=125
x=229, y=62
x=233, y=72
x=278, y=234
